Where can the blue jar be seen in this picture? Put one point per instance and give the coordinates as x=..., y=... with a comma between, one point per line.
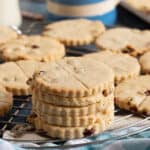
x=104, y=10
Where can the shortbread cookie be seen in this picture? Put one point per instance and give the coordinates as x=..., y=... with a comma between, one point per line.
x=143, y=6
x=71, y=101
x=76, y=121
x=29, y=67
x=6, y=101
x=75, y=77
x=124, y=66
x=57, y=110
x=132, y=41
x=32, y=48
x=145, y=62
x=13, y=79
x=6, y=34
x=72, y=132
x=134, y=94
x=74, y=32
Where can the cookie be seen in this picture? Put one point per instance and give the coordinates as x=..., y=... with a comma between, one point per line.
x=13, y=79
x=6, y=101
x=6, y=34
x=74, y=121
x=29, y=67
x=75, y=77
x=145, y=62
x=72, y=132
x=134, y=95
x=143, y=6
x=123, y=65
x=32, y=48
x=71, y=101
x=74, y=32
x=125, y=40
x=58, y=110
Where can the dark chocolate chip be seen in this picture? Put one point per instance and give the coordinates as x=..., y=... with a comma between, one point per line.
x=105, y=93
x=128, y=50
x=134, y=109
x=29, y=81
x=34, y=46
x=147, y=93
x=88, y=132
x=144, y=112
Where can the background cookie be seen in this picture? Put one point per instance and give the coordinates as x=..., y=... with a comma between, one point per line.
x=13, y=79
x=6, y=34
x=32, y=48
x=134, y=95
x=145, y=62
x=123, y=65
x=132, y=41
x=6, y=101
x=74, y=32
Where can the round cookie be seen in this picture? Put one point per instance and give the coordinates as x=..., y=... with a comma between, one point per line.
x=73, y=132
x=124, y=66
x=145, y=62
x=76, y=121
x=14, y=79
x=6, y=101
x=6, y=34
x=71, y=101
x=74, y=32
x=134, y=95
x=32, y=48
x=75, y=77
x=58, y=110
x=125, y=40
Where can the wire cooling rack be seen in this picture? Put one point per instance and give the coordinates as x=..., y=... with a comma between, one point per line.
x=124, y=120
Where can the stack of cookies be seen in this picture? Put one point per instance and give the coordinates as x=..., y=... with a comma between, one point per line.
x=73, y=98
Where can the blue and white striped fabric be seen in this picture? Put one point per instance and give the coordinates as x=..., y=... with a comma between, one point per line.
x=104, y=10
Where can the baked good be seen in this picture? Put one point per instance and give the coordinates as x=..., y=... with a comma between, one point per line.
x=73, y=132
x=6, y=101
x=74, y=32
x=145, y=62
x=123, y=65
x=125, y=40
x=74, y=77
x=73, y=97
x=134, y=95
x=143, y=6
x=13, y=79
x=32, y=48
x=6, y=34
x=29, y=67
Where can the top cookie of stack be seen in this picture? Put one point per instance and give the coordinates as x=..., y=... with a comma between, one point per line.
x=73, y=98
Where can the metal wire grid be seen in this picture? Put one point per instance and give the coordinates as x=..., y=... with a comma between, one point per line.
x=22, y=107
